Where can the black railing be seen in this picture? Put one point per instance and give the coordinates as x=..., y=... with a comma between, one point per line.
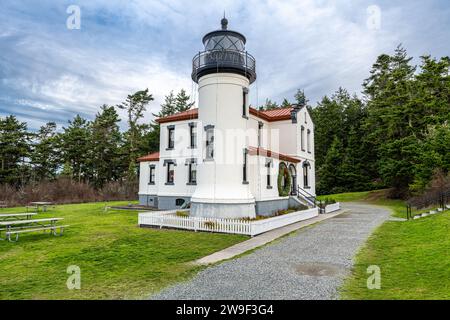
x=311, y=199
x=224, y=60
x=440, y=199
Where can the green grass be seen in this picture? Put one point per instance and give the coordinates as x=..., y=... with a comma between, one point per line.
x=346, y=197
x=118, y=260
x=414, y=256
x=376, y=197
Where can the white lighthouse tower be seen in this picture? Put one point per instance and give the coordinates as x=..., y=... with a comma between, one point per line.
x=224, y=72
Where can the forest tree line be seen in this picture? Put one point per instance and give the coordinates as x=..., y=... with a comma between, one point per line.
x=395, y=134
x=92, y=152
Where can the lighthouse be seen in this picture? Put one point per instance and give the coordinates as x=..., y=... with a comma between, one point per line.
x=224, y=71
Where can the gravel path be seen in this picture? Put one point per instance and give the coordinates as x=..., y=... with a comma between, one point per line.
x=310, y=264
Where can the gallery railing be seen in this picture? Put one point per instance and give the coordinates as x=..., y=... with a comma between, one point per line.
x=219, y=60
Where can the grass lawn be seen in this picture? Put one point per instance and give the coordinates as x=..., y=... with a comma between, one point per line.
x=118, y=260
x=376, y=197
x=414, y=256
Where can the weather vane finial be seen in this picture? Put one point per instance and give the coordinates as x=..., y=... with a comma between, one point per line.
x=224, y=22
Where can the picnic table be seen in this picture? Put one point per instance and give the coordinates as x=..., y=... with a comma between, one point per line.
x=42, y=204
x=17, y=227
x=17, y=216
x=2, y=204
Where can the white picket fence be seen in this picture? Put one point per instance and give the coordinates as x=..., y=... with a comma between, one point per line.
x=332, y=207
x=169, y=219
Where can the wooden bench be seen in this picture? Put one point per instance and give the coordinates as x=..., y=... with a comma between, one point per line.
x=51, y=228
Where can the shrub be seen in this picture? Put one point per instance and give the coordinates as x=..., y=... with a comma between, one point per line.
x=209, y=224
x=65, y=190
x=182, y=214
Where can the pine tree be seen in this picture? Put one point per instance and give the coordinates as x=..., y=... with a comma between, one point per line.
x=106, y=161
x=182, y=101
x=14, y=148
x=330, y=176
x=75, y=148
x=392, y=112
x=135, y=106
x=285, y=103
x=300, y=98
x=45, y=156
x=268, y=105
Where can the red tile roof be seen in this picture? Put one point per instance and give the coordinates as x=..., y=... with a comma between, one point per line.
x=185, y=115
x=278, y=114
x=254, y=151
x=268, y=115
x=150, y=157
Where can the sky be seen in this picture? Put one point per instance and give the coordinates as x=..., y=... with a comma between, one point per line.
x=49, y=72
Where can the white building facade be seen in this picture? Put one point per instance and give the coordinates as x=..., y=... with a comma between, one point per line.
x=227, y=159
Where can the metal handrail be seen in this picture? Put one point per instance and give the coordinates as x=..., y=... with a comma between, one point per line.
x=224, y=58
x=307, y=196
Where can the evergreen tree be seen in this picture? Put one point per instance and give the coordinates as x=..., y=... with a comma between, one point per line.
x=75, y=148
x=392, y=117
x=300, y=98
x=285, y=103
x=45, y=157
x=329, y=174
x=14, y=148
x=135, y=106
x=268, y=105
x=106, y=161
x=182, y=101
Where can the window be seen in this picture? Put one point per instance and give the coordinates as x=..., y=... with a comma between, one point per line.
x=170, y=175
x=244, y=168
x=209, y=142
x=302, y=138
x=192, y=171
x=306, y=167
x=179, y=202
x=193, y=134
x=308, y=140
x=171, y=136
x=268, y=165
x=244, y=102
x=260, y=126
x=151, y=179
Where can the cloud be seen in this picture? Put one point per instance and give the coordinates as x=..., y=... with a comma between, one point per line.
x=49, y=73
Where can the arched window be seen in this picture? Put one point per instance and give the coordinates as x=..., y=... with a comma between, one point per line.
x=293, y=172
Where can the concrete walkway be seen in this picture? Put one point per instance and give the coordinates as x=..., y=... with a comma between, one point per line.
x=262, y=239
x=309, y=264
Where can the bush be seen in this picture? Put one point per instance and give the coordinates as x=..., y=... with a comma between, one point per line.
x=64, y=191
x=182, y=214
x=209, y=224
x=326, y=202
